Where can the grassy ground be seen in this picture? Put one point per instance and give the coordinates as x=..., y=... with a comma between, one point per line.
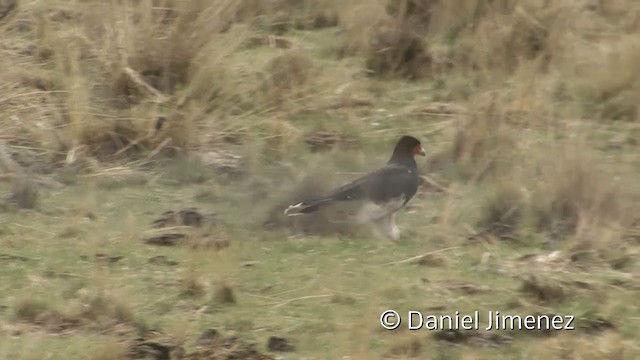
x=528, y=111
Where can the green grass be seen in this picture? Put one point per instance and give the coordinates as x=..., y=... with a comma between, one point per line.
x=325, y=294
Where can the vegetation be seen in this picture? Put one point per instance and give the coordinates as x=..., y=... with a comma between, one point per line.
x=149, y=147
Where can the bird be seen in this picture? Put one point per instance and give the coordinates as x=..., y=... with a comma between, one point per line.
x=383, y=192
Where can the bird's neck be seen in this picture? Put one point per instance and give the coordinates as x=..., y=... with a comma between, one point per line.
x=403, y=160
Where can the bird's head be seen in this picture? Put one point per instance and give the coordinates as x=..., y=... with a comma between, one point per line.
x=409, y=145
x=405, y=151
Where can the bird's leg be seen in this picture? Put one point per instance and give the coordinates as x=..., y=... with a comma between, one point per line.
x=387, y=226
x=395, y=231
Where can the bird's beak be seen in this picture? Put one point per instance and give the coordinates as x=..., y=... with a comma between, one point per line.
x=422, y=152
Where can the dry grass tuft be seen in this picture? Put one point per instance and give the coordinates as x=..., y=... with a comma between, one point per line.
x=502, y=210
x=161, y=45
x=109, y=349
x=114, y=67
x=606, y=84
x=391, y=46
x=398, y=52
x=24, y=193
x=286, y=77
x=280, y=16
x=88, y=308
x=104, y=306
x=29, y=308
x=544, y=288
x=192, y=285
x=609, y=345
x=570, y=190
x=484, y=143
x=280, y=136
x=224, y=294
x=409, y=347
x=94, y=76
x=563, y=194
x=503, y=39
x=119, y=178
x=531, y=183
x=418, y=13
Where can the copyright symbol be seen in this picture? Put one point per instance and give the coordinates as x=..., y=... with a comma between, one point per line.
x=390, y=320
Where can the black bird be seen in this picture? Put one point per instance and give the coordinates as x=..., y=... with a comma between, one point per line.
x=384, y=191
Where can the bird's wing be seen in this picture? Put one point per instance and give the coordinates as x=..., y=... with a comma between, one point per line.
x=387, y=183
x=390, y=183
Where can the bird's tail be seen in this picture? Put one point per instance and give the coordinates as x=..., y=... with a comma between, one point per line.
x=307, y=207
x=347, y=192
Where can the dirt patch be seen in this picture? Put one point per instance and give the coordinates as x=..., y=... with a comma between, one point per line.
x=214, y=346
x=479, y=338
x=155, y=345
x=142, y=348
x=162, y=260
x=276, y=343
x=102, y=258
x=185, y=217
x=214, y=242
x=171, y=239
x=200, y=234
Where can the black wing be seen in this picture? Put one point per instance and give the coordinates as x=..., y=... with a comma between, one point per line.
x=384, y=184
